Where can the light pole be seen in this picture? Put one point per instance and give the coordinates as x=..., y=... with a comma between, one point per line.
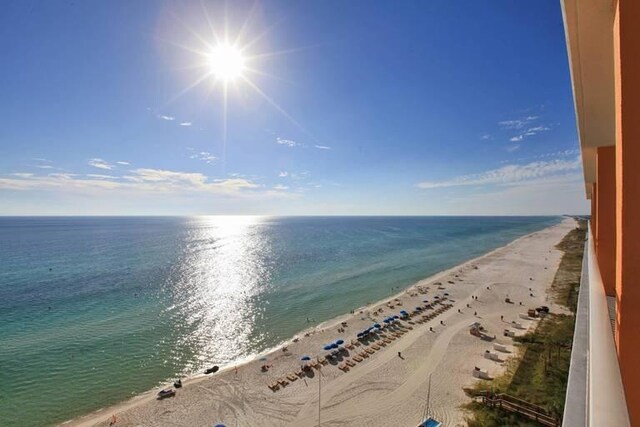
x=319, y=390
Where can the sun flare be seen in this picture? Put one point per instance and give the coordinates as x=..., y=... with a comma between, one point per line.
x=226, y=62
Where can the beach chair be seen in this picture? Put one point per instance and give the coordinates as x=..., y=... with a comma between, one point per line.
x=283, y=382
x=364, y=354
x=357, y=358
x=349, y=346
x=391, y=337
x=382, y=343
x=274, y=386
x=375, y=347
x=387, y=341
x=292, y=377
x=322, y=360
x=299, y=372
x=369, y=350
x=343, y=367
x=350, y=363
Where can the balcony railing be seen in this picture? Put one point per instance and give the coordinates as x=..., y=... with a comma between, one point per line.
x=595, y=395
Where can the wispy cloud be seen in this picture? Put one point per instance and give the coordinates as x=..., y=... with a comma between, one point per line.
x=205, y=156
x=22, y=174
x=485, y=137
x=62, y=175
x=510, y=174
x=44, y=164
x=551, y=154
x=292, y=143
x=283, y=174
x=100, y=164
x=123, y=163
x=299, y=175
x=287, y=142
x=165, y=117
x=524, y=126
x=517, y=123
x=100, y=176
x=144, y=180
x=185, y=123
x=280, y=187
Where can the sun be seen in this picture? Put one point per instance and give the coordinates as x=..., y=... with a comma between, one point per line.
x=226, y=62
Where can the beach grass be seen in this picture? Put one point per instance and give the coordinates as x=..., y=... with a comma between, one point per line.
x=538, y=372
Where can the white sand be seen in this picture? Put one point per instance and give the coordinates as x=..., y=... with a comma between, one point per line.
x=384, y=389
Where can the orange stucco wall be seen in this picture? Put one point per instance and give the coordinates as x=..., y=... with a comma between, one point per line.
x=606, y=216
x=626, y=33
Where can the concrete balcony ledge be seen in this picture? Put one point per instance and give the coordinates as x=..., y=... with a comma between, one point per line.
x=595, y=395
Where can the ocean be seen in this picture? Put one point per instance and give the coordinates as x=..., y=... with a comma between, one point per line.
x=94, y=310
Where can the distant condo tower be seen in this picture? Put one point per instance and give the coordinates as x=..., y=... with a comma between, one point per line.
x=603, y=43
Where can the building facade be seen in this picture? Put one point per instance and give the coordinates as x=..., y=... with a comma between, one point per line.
x=603, y=43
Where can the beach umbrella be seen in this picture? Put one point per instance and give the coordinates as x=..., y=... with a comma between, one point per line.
x=305, y=358
x=263, y=359
x=396, y=317
x=340, y=342
x=377, y=325
x=327, y=347
x=334, y=345
x=425, y=300
x=359, y=335
x=418, y=308
x=219, y=425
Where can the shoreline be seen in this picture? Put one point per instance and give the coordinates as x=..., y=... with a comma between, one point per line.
x=361, y=314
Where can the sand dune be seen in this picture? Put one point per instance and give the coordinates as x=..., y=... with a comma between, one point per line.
x=384, y=389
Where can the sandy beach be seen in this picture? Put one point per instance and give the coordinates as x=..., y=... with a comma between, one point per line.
x=383, y=388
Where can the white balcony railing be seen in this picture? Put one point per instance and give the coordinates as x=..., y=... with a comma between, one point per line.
x=595, y=395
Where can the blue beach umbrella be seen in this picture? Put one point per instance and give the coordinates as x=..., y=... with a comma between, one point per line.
x=219, y=425
x=305, y=358
x=425, y=300
x=386, y=321
x=340, y=342
x=263, y=359
x=327, y=347
x=377, y=325
x=334, y=345
x=418, y=308
x=359, y=335
x=396, y=317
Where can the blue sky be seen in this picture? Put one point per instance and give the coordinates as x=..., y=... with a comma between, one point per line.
x=360, y=107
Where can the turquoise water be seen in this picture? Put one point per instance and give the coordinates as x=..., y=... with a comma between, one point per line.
x=95, y=310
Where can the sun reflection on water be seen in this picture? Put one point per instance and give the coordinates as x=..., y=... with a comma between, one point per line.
x=224, y=270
